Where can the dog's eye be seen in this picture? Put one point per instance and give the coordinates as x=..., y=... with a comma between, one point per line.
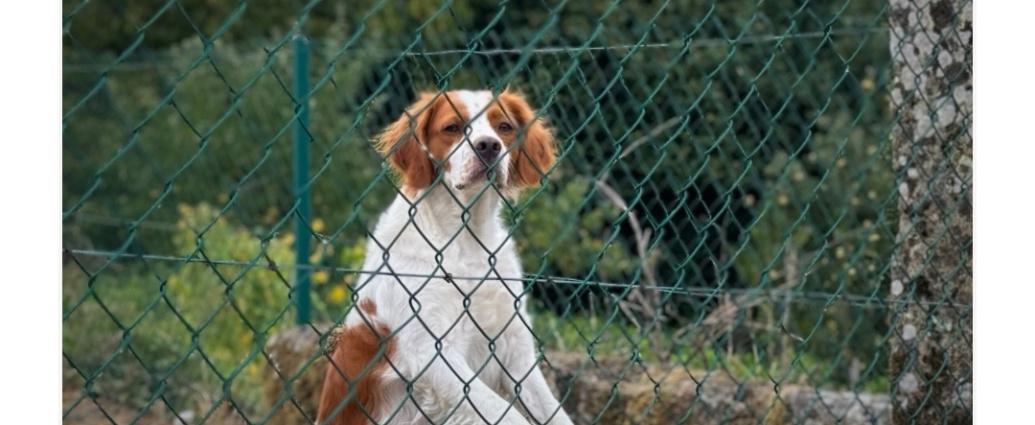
x=452, y=128
x=505, y=127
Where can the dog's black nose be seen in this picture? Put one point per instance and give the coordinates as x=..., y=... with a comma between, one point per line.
x=488, y=149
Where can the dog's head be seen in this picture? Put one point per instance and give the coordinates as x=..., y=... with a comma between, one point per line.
x=472, y=138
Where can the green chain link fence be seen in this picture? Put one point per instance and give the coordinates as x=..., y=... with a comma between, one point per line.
x=761, y=213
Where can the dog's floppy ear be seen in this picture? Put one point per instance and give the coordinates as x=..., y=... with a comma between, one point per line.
x=404, y=142
x=537, y=151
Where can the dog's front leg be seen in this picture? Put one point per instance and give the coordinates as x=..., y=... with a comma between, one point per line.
x=449, y=392
x=535, y=395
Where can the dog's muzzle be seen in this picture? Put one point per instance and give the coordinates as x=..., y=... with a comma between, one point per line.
x=488, y=150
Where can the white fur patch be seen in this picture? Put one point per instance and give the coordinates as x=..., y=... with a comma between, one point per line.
x=464, y=164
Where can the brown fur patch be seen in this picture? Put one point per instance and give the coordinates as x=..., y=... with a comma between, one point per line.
x=420, y=130
x=538, y=151
x=355, y=363
x=367, y=306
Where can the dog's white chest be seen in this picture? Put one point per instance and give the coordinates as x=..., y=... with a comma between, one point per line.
x=490, y=309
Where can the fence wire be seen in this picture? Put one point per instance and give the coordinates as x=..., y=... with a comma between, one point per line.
x=761, y=211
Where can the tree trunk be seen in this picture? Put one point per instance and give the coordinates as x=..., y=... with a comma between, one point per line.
x=931, y=270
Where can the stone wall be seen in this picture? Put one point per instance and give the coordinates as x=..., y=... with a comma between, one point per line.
x=613, y=391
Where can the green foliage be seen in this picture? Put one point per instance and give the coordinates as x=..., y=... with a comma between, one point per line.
x=231, y=306
x=198, y=323
x=220, y=134
x=560, y=235
x=749, y=139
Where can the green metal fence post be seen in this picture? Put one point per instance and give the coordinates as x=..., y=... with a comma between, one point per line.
x=303, y=213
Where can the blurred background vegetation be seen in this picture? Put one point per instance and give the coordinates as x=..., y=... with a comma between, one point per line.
x=748, y=139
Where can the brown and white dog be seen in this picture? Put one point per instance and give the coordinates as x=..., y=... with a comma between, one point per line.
x=440, y=331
